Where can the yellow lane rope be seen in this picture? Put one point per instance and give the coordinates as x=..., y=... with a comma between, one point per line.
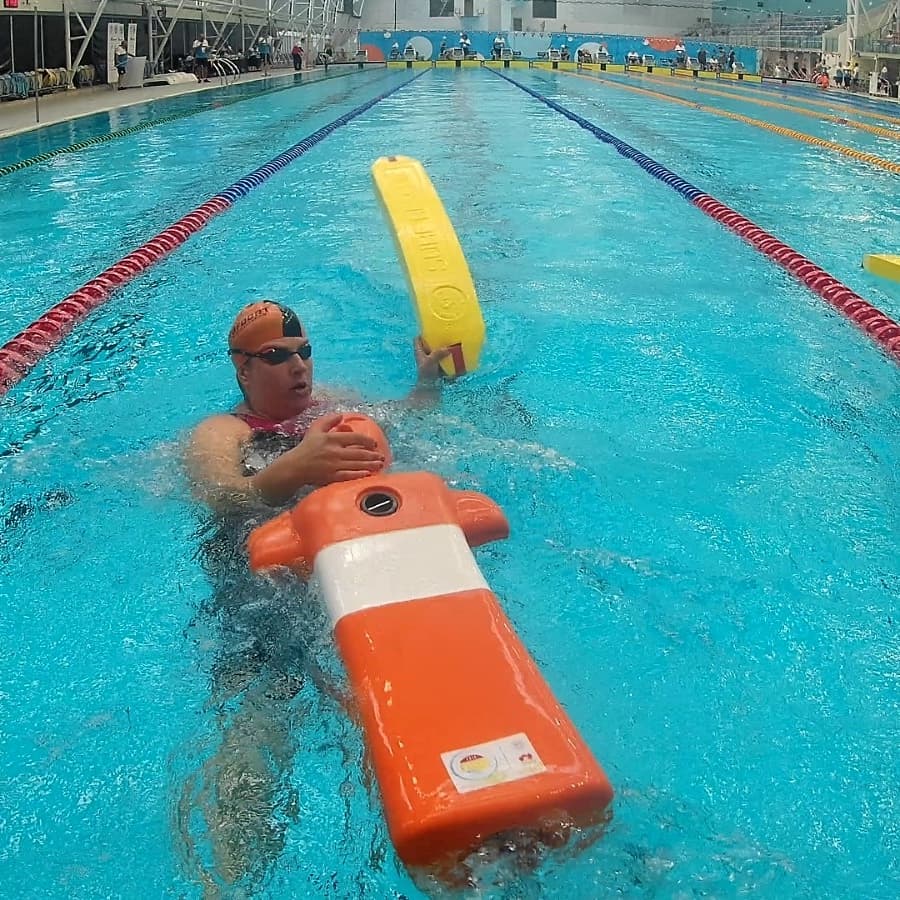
x=870, y=158
x=800, y=111
x=809, y=101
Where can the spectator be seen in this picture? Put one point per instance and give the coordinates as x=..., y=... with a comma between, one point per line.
x=121, y=61
x=265, y=53
x=201, y=58
x=297, y=56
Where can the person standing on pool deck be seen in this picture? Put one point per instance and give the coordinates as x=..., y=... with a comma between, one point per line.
x=201, y=58
x=265, y=53
x=262, y=454
x=121, y=61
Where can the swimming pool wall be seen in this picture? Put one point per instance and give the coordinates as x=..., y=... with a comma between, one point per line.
x=378, y=44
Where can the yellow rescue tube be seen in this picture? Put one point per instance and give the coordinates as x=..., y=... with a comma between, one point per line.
x=439, y=279
x=885, y=265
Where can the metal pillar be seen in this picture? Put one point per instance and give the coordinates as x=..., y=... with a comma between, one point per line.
x=37, y=91
x=317, y=14
x=218, y=19
x=852, y=27
x=893, y=17
x=151, y=55
x=90, y=33
x=70, y=78
x=221, y=33
x=167, y=34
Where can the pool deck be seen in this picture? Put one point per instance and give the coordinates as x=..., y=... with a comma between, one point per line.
x=18, y=116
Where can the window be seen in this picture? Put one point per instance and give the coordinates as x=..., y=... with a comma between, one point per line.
x=517, y=24
x=441, y=9
x=348, y=7
x=468, y=7
x=543, y=9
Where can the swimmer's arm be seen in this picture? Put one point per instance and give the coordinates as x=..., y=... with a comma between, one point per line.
x=214, y=462
x=323, y=456
x=424, y=395
x=427, y=392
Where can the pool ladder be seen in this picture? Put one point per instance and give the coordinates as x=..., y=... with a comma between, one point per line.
x=225, y=69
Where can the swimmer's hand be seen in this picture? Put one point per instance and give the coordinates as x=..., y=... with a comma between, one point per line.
x=427, y=391
x=428, y=362
x=322, y=457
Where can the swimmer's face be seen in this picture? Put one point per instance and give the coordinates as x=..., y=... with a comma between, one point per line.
x=277, y=386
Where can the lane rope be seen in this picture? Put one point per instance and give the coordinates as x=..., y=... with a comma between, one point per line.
x=881, y=328
x=838, y=102
x=870, y=158
x=23, y=352
x=797, y=110
x=143, y=126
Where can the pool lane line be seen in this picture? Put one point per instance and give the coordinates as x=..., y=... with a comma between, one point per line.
x=870, y=158
x=841, y=101
x=797, y=110
x=143, y=126
x=881, y=328
x=735, y=88
x=19, y=355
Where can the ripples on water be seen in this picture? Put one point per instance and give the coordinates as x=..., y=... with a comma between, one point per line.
x=697, y=461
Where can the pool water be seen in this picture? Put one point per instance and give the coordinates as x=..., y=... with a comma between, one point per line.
x=698, y=459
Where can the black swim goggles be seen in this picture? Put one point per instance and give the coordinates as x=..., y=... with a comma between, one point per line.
x=275, y=356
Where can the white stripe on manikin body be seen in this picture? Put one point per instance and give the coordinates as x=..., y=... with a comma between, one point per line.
x=395, y=567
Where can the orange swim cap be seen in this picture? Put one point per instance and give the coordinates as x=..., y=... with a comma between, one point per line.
x=261, y=322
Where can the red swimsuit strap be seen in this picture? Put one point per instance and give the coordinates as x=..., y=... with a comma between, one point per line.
x=270, y=426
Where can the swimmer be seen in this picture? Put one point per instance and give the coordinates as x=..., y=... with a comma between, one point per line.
x=261, y=455
x=265, y=448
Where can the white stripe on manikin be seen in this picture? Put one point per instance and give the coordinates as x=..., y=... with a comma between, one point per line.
x=394, y=567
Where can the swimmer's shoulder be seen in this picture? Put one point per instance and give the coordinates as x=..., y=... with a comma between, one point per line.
x=214, y=450
x=221, y=428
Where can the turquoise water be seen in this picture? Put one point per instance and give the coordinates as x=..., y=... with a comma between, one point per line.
x=77, y=214
x=698, y=460
x=830, y=207
x=62, y=134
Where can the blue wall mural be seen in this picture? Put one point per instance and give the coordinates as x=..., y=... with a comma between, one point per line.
x=427, y=44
